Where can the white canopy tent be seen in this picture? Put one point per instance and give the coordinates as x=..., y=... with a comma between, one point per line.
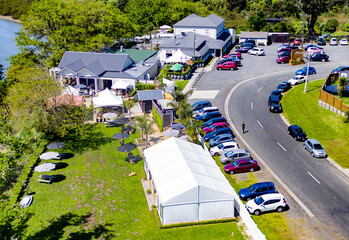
x=189, y=184
x=121, y=85
x=179, y=56
x=107, y=98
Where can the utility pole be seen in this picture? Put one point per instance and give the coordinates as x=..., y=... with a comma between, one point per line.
x=306, y=79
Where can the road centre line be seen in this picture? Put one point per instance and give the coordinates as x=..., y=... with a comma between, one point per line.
x=282, y=147
x=260, y=124
x=252, y=105
x=314, y=178
x=259, y=89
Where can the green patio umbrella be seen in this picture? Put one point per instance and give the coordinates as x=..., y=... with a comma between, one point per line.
x=176, y=67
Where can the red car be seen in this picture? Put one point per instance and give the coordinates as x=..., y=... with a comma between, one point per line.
x=226, y=65
x=285, y=49
x=297, y=41
x=241, y=165
x=215, y=126
x=233, y=54
x=283, y=59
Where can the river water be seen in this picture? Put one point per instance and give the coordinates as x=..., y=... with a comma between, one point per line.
x=8, y=45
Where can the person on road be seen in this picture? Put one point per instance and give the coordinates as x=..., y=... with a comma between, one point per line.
x=243, y=127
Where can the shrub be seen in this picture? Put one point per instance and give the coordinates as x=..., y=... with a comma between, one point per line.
x=143, y=86
x=345, y=27
x=331, y=25
x=158, y=120
x=149, y=191
x=346, y=114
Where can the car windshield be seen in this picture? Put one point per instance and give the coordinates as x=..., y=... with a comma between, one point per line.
x=259, y=200
x=318, y=146
x=211, y=126
x=220, y=146
x=201, y=110
x=235, y=164
x=251, y=188
x=229, y=153
x=275, y=102
x=298, y=130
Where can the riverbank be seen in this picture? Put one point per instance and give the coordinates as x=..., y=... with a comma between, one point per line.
x=9, y=18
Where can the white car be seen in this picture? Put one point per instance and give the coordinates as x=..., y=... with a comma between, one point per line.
x=256, y=51
x=343, y=41
x=265, y=203
x=333, y=41
x=223, y=147
x=297, y=80
x=311, y=50
x=204, y=110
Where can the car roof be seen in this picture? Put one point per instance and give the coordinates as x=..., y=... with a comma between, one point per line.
x=239, y=150
x=295, y=126
x=313, y=141
x=209, y=108
x=243, y=160
x=269, y=196
x=264, y=184
x=225, y=135
x=229, y=143
x=274, y=98
x=200, y=102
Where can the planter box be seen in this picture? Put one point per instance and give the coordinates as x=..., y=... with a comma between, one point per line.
x=141, y=143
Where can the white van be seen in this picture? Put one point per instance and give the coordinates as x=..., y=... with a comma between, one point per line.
x=205, y=110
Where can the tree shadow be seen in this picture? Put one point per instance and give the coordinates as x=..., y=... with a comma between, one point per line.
x=16, y=223
x=56, y=228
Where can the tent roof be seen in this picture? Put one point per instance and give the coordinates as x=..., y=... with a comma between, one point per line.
x=183, y=172
x=179, y=56
x=121, y=85
x=107, y=98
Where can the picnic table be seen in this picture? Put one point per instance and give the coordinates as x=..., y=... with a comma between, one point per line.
x=46, y=178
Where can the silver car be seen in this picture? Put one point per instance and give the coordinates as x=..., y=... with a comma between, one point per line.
x=315, y=148
x=233, y=155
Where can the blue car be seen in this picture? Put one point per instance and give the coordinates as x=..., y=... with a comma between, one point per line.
x=220, y=139
x=208, y=116
x=276, y=93
x=303, y=71
x=256, y=190
x=213, y=120
x=283, y=87
x=217, y=132
x=201, y=104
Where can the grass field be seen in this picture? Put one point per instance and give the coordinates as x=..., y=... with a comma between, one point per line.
x=319, y=123
x=96, y=198
x=180, y=84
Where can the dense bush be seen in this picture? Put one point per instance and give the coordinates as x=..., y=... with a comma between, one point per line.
x=331, y=25
x=158, y=120
x=143, y=86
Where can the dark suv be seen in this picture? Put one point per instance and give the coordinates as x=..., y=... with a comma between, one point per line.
x=318, y=56
x=321, y=41
x=274, y=104
x=256, y=190
x=297, y=133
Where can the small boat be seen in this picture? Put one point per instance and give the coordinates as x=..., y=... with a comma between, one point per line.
x=26, y=201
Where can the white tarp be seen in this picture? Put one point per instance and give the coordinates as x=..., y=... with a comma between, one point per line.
x=121, y=85
x=179, y=56
x=106, y=98
x=189, y=184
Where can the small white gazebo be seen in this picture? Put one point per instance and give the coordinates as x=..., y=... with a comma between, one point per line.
x=107, y=98
x=179, y=56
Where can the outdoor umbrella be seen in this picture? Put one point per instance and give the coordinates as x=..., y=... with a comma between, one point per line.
x=45, y=167
x=80, y=86
x=121, y=120
x=177, y=126
x=171, y=133
x=50, y=155
x=121, y=135
x=55, y=145
x=110, y=115
x=176, y=67
x=126, y=148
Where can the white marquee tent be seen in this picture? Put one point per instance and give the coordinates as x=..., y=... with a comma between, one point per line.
x=189, y=185
x=179, y=56
x=107, y=98
x=121, y=85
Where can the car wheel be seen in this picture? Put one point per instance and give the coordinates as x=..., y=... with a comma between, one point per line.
x=323, y=60
x=231, y=69
x=282, y=62
x=231, y=172
x=312, y=154
x=216, y=154
x=288, y=132
x=295, y=138
x=257, y=212
x=251, y=169
x=219, y=68
x=279, y=209
x=304, y=146
x=248, y=199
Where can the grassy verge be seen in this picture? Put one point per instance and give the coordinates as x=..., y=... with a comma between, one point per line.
x=96, y=199
x=180, y=84
x=319, y=123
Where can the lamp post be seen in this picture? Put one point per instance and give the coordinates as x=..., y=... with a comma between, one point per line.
x=306, y=78
x=306, y=16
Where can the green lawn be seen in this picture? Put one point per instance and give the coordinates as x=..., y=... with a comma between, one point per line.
x=319, y=123
x=98, y=200
x=180, y=84
x=345, y=100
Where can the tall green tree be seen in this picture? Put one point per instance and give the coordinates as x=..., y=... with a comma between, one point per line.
x=145, y=124
x=128, y=104
x=258, y=21
x=342, y=83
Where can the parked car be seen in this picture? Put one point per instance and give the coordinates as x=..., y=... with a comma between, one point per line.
x=297, y=80
x=315, y=148
x=234, y=155
x=256, y=190
x=283, y=59
x=312, y=45
x=204, y=110
x=303, y=71
x=200, y=104
x=208, y=116
x=233, y=55
x=215, y=126
x=297, y=41
x=245, y=47
x=217, y=132
x=283, y=87
x=251, y=41
x=266, y=203
x=312, y=50
x=321, y=41
x=220, y=139
x=277, y=94
x=241, y=165
x=274, y=104
x=214, y=120
x=319, y=56
x=285, y=49
x=285, y=53
x=223, y=147
x=283, y=46
x=235, y=60
x=256, y=51
x=226, y=65
x=340, y=69
x=343, y=41
x=333, y=41
x=297, y=133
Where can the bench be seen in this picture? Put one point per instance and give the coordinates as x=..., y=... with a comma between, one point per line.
x=45, y=181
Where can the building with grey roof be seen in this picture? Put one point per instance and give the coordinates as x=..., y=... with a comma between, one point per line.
x=261, y=38
x=104, y=70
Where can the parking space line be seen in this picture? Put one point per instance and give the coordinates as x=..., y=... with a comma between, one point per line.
x=282, y=147
x=314, y=178
x=259, y=89
x=252, y=105
x=260, y=124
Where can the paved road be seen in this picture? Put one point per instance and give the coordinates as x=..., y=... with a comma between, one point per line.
x=322, y=188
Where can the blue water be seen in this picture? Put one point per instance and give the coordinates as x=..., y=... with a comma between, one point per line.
x=8, y=45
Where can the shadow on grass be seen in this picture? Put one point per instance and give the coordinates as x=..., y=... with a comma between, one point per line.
x=67, y=155
x=136, y=158
x=56, y=228
x=59, y=178
x=61, y=165
x=15, y=223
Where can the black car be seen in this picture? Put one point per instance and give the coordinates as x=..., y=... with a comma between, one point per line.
x=236, y=60
x=340, y=69
x=284, y=53
x=274, y=104
x=283, y=87
x=256, y=190
x=297, y=133
x=321, y=41
x=251, y=41
x=245, y=47
x=318, y=56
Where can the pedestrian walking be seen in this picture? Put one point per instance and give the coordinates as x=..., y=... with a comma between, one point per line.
x=243, y=127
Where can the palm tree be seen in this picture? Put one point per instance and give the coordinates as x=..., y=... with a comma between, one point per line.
x=145, y=125
x=128, y=104
x=179, y=96
x=342, y=83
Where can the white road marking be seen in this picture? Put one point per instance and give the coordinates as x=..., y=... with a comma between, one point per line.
x=259, y=89
x=282, y=147
x=314, y=178
x=252, y=105
x=260, y=124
